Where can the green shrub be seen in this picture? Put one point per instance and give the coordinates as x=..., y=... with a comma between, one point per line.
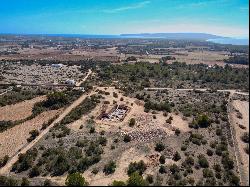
x=189, y=161
x=210, y=152
x=176, y=156
x=177, y=132
x=162, y=159
x=118, y=183
x=150, y=179
x=174, y=169
x=234, y=180
x=8, y=181
x=220, y=148
x=227, y=162
x=4, y=161
x=109, y=168
x=207, y=173
x=163, y=106
x=115, y=94
x=196, y=138
x=25, y=161
x=33, y=135
x=132, y=122
x=203, y=121
x=47, y=182
x=218, y=132
x=246, y=149
x=127, y=138
x=159, y=147
x=95, y=171
x=61, y=165
x=136, y=180
x=75, y=179
x=34, y=172
x=139, y=167
x=102, y=141
x=217, y=167
x=218, y=175
x=4, y=125
x=92, y=130
x=82, y=143
x=162, y=169
x=213, y=144
x=245, y=137
x=184, y=147
x=203, y=161
x=25, y=182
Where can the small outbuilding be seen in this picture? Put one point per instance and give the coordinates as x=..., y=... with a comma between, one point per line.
x=70, y=82
x=57, y=65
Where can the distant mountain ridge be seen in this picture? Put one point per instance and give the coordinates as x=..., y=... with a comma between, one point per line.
x=191, y=36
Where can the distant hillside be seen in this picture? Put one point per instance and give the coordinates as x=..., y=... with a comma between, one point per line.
x=177, y=36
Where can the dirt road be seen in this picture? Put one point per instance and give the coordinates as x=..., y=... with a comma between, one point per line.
x=79, y=83
x=6, y=169
x=199, y=89
x=242, y=162
x=7, y=90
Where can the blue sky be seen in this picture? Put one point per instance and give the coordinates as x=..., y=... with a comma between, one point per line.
x=222, y=17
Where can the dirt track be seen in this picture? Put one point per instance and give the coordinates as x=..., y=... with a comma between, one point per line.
x=202, y=90
x=242, y=156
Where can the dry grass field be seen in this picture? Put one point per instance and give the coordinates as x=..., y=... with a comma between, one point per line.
x=20, y=110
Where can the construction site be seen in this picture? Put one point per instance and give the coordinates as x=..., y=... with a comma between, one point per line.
x=117, y=113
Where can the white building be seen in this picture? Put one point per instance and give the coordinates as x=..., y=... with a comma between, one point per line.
x=57, y=65
x=70, y=82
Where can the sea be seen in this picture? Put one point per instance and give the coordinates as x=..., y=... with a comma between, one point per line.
x=233, y=41
x=224, y=40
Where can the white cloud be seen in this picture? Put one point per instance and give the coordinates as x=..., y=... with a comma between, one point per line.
x=130, y=7
x=189, y=27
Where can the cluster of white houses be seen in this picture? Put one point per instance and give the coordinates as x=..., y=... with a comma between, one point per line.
x=68, y=81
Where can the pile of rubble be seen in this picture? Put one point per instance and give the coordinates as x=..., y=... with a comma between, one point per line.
x=144, y=136
x=153, y=160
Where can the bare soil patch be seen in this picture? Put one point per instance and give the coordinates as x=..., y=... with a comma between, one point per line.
x=20, y=110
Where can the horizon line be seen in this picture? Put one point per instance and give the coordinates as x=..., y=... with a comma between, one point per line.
x=233, y=37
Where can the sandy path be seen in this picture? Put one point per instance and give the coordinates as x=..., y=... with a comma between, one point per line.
x=20, y=110
x=15, y=138
x=243, y=107
x=83, y=80
x=8, y=166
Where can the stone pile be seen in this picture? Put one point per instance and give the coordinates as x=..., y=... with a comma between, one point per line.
x=144, y=136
